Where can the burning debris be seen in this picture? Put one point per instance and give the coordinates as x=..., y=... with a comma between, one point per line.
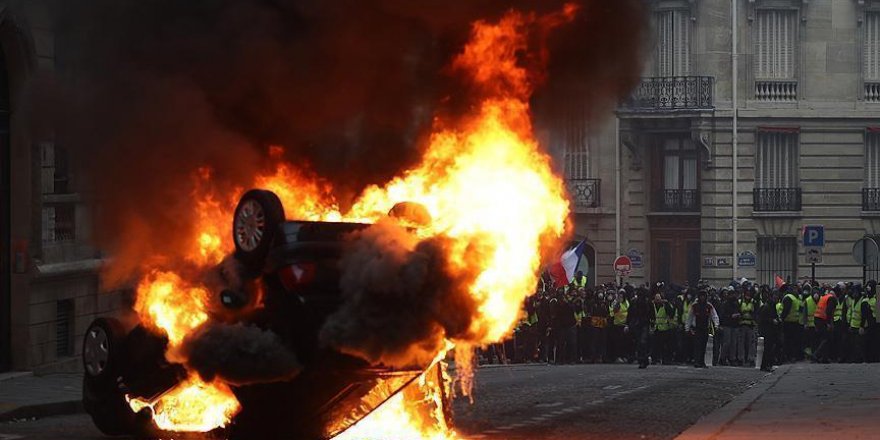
x=397, y=293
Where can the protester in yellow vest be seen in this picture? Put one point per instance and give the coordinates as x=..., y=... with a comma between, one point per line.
x=664, y=315
x=792, y=329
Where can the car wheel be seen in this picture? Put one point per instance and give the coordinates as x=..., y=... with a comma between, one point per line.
x=102, y=363
x=257, y=218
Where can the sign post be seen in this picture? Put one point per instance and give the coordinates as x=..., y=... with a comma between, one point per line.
x=814, y=241
x=622, y=266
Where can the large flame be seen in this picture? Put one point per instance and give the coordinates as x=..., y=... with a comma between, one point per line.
x=483, y=178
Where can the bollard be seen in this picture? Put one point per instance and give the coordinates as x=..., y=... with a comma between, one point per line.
x=710, y=351
x=759, y=353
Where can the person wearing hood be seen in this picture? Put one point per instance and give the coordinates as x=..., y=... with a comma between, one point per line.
x=824, y=321
x=599, y=318
x=639, y=323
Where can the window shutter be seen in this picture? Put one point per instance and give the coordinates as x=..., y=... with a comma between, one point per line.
x=576, y=141
x=776, y=43
x=673, y=43
x=682, y=43
x=872, y=160
x=872, y=46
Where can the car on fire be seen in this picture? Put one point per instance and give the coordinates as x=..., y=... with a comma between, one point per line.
x=295, y=265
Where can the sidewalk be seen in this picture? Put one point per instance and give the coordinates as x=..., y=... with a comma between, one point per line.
x=23, y=395
x=803, y=402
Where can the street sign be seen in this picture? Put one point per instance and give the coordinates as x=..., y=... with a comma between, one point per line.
x=622, y=265
x=865, y=251
x=635, y=257
x=814, y=236
x=814, y=255
x=746, y=259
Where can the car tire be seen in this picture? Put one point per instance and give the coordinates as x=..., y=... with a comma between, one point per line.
x=102, y=364
x=257, y=219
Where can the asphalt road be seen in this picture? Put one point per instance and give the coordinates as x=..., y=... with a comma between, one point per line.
x=543, y=402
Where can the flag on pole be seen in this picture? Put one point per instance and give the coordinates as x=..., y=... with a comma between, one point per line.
x=563, y=270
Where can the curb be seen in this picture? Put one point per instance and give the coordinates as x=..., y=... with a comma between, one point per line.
x=715, y=423
x=41, y=410
x=14, y=375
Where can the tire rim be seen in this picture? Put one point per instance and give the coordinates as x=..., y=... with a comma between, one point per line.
x=250, y=224
x=96, y=351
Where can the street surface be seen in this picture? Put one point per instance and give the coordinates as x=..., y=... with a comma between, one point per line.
x=605, y=402
x=542, y=402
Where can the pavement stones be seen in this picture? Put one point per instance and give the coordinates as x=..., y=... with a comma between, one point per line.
x=803, y=402
x=23, y=395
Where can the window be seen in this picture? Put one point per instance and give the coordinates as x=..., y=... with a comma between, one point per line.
x=673, y=42
x=59, y=223
x=777, y=185
x=871, y=190
x=871, y=56
x=573, y=135
x=679, y=190
x=872, y=46
x=777, y=159
x=777, y=256
x=776, y=43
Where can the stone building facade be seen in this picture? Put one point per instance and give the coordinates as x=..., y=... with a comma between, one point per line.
x=808, y=145
x=49, y=287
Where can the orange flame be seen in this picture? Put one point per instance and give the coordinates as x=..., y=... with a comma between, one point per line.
x=484, y=179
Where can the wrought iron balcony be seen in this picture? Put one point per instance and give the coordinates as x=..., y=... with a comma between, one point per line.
x=870, y=199
x=872, y=91
x=776, y=199
x=677, y=200
x=673, y=93
x=776, y=91
x=584, y=193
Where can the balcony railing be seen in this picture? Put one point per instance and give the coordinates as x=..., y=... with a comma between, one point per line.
x=872, y=91
x=776, y=199
x=677, y=200
x=776, y=90
x=870, y=199
x=584, y=192
x=673, y=93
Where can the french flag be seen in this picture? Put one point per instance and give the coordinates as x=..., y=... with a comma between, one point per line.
x=563, y=270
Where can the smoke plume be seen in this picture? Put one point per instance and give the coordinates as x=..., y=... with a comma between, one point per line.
x=148, y=91
x=239, y=354
x=401, y=298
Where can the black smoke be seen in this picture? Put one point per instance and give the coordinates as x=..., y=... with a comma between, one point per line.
x=145, y=91
x=239, y=354
x=401, y=297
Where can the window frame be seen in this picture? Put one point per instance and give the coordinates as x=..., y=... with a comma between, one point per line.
x=760, y=181
x=680, y=14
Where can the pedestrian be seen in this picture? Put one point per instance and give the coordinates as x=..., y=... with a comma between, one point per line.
x=664, y=314
x=746, y=332
x=619, y=311
x=700, y=317
x=768, y=328
x=791, y=323
x=729, y=318
x=639, y=323
x=869, y=323
x=824, y=321
x=599, y=327
x=811, y=303
x=855, y=344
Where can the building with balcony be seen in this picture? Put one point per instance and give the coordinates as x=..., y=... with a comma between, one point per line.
x=807, y=144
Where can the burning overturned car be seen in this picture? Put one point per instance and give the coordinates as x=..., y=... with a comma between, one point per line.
x=270, y=301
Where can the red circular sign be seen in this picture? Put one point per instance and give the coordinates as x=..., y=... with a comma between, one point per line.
x=622, y=264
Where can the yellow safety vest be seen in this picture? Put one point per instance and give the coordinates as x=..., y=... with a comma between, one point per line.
x=620, y=314
x=747, y=312
x=661, y=319
x=794, y=315
x=811, y=306
x=855, y=314
x=838, y=310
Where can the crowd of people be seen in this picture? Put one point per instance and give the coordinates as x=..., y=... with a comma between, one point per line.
x=667, y=324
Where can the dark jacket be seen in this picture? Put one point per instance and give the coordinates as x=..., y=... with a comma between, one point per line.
x=641, y=313
x=729, y=308
x=767, y=319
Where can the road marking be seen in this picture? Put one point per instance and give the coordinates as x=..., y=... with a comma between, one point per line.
x=541, y=418
x=548, y=405
x=612, y=387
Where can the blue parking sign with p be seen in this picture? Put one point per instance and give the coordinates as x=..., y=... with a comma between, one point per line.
x=814, y=236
